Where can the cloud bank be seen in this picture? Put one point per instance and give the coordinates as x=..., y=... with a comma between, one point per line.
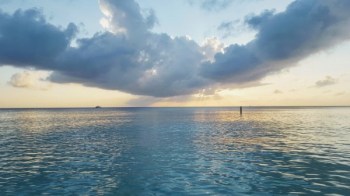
x=129, y=57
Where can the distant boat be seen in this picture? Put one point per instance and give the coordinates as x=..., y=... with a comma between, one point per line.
x=98, y=107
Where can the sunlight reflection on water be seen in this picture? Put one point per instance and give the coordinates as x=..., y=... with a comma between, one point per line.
x=145, y=151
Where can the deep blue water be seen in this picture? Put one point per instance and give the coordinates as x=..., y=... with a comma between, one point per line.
x=175, y=151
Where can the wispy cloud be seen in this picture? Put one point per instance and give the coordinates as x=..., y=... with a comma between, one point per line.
x=340, y=93
x=277, y=91
x=232, y=28
x=327, y=81
x=211, y=5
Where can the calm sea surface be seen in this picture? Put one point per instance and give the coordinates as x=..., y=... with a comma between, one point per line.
x=175, y=151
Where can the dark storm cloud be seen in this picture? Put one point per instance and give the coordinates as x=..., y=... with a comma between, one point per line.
x=306, y=27
x=131, y=58
x=27, y=39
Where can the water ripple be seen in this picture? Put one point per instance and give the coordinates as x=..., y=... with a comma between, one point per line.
x=162, y=151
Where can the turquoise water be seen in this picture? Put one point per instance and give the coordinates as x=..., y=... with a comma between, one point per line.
x=175, y=151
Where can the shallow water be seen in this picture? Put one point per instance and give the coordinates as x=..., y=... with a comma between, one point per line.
x=162, y=151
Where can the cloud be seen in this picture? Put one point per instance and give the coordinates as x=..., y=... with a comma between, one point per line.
x=232, y=28
x=340, y=93
x=21, y=80
x=159, y=67
x=277, y=92
x=305, y=28
x=29, y=79
x=211, y=5
x=129, y=57
x=227, y=26
x=26, y=39
x=327, y=81
x=126, y=17
x=256, y=21
x=210, y=47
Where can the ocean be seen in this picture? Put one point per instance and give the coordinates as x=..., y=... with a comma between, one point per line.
x=175, y=151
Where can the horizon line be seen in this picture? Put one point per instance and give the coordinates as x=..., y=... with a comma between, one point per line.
x=111, y=107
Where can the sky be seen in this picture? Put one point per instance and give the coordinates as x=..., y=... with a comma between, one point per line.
x=116, y=53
